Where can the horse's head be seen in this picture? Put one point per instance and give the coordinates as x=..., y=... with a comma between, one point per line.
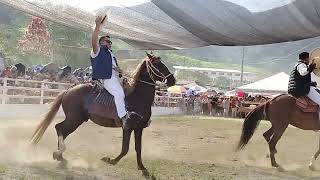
x=157, y=71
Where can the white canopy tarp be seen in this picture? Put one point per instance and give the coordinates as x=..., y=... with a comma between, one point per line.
x=275, y=83
x=176, y=24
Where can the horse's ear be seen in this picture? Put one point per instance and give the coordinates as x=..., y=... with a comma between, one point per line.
x=149, y=56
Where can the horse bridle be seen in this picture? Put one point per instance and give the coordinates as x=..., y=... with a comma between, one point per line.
x=151, y=71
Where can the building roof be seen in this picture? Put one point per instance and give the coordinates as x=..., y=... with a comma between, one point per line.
x=210, y=69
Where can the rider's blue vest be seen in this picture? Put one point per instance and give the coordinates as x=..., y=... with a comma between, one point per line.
x=102, y=64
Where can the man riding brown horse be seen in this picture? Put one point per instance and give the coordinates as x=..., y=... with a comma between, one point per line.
x=105, y=67
x=78, y=104
x=284, y=110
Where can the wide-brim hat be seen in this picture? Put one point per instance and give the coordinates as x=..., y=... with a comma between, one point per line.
x=315, y=58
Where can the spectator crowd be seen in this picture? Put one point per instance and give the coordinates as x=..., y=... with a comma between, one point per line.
x=49, y=76
x=49, y=72
x=220, y=105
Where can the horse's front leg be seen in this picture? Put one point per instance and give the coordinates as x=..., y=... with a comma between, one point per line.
x=314, y=157
x=138, y=144
x=125, y=148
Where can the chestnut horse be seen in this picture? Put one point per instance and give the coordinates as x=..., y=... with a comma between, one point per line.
x=280, y=111
x=140, y=100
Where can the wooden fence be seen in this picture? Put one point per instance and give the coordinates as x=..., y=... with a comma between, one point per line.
x=21, y=91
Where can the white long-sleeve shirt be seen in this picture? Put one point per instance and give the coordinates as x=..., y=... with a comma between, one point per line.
x=302, y=69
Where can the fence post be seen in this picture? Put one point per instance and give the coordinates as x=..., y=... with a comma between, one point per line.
x=42, y=93
x=4, y=91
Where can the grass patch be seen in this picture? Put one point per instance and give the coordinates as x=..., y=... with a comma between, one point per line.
x=3, y=168
x=166, y=169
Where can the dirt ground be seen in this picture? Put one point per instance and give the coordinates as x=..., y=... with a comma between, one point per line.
x=174, y=147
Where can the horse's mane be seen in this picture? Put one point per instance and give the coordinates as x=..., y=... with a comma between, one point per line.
x=135, y=76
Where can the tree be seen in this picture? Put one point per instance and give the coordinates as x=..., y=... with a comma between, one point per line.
x=36, y=39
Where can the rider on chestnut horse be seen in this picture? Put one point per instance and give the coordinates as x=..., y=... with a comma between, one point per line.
x=283, y=110
x=105, y=67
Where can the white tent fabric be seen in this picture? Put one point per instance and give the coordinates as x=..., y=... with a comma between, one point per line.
x=275, y=83
x=231, y=93
x=177, y=24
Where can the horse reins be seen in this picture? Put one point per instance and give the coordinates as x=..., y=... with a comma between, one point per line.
x=151, y=71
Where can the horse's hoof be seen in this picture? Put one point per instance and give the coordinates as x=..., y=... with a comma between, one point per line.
x=145, y=172
x=142, y=168
x=280, y=169
x=312, y=167
x=57, y=155
x=108, y=160
x=63, y=164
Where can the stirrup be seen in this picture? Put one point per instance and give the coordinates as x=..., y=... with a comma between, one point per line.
x=132, y=113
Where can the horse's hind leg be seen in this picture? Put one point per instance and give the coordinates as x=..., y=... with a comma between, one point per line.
x=267, y=135
x=125, y=148
x=63, y=129
x=314, y=157
x=272, y=145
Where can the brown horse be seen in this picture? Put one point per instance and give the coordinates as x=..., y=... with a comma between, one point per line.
x=139, y=100
x=280, y=111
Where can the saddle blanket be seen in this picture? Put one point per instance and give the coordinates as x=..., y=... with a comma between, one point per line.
x=307, y=105
x=105, y=98
x=102, y=103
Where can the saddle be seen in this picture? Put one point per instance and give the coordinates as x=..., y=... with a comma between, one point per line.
x=307, y=105
x=101, y=102
x=101, y=107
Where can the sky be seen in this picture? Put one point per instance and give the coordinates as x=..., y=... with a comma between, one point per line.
x=261, y=5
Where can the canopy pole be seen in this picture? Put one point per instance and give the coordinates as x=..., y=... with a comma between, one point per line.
x=241, y=81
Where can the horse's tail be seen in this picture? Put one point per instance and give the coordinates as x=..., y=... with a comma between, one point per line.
x=251, y=123
x=42, y=127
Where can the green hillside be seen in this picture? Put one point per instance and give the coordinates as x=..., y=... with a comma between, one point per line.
x=178, y=60
x=192, y=62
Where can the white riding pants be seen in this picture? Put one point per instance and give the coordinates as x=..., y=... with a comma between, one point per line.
x=114, y=88
x=314, y=95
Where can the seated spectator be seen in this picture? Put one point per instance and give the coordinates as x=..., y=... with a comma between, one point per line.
x=7, y=72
